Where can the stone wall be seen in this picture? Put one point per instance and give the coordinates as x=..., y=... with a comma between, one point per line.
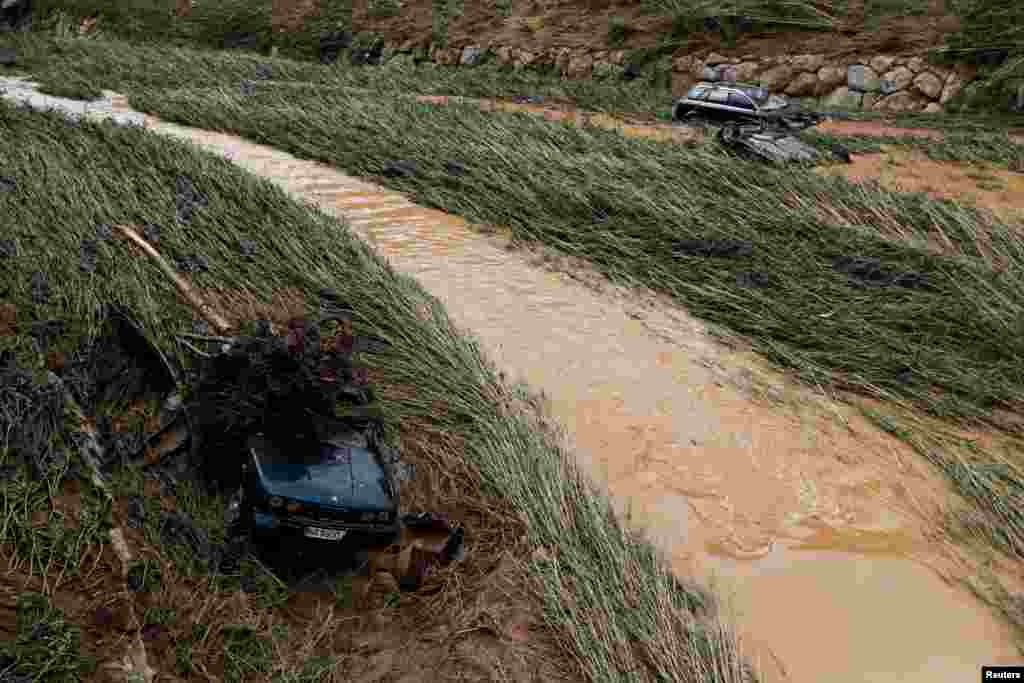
x=897, y=83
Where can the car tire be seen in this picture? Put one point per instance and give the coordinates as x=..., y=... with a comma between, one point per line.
x=728, y=134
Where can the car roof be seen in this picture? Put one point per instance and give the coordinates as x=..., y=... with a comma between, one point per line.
x=754, y=91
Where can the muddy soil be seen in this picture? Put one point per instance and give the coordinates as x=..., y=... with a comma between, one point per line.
x=730, y=467
x=985, y=185
x=584, y=23
x=889, y=129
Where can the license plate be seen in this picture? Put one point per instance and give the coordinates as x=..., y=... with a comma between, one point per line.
x=326, y=534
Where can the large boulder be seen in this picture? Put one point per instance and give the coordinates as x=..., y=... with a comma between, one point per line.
x=897, y=79
x=803, y=85
x=777, y=77
x=829, y=78
x=808, y=62
x=580, y=67
x=747, y=71
x=928, y=84
x=844, y=98
x=881, y=63
x=899, y=102
x=685, y=63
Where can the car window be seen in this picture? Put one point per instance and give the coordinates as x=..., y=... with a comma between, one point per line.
x=756, y=94
x=740, y=101
x=697, y=93
x=718, y=97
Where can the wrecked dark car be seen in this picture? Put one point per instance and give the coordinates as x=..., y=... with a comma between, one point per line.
x=337, y=485
x=719, y=103
x=765, y=143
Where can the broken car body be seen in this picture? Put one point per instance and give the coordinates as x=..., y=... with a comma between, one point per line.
x=740, y=102
x=328, y=488
x=759, y=141
x=753, y=122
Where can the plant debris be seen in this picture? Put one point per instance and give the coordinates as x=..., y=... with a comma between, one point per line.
x=39, y=287
x=869, y=272
x=187, y=199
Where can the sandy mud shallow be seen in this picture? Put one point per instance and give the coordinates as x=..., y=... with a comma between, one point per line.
x=986, y=186
x=804, y=513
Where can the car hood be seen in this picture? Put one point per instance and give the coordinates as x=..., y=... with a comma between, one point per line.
x=344, y=477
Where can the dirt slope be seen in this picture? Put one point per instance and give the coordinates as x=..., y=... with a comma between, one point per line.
x=584, y=23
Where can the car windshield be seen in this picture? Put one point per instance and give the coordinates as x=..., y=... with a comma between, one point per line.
x=697, y=92
x=364, y=465
x=335, y=462
x=339, y=448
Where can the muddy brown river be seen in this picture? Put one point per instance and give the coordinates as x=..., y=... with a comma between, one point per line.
x=799, y=511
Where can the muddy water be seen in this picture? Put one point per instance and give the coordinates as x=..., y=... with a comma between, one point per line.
x=805, y=513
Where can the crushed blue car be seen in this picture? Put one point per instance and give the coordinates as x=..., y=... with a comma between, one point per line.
x=340, y=485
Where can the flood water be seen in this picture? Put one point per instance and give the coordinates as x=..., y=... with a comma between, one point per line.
x=803, y=512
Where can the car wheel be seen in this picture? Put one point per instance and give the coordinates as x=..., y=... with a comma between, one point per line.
x=728, y=134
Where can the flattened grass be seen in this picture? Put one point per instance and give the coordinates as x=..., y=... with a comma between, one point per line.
x=119, y=66
x=998, y=148
x=852, y=287
x=609, y=599
x=629, y=206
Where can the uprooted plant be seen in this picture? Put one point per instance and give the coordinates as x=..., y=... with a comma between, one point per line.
x=279, y=385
